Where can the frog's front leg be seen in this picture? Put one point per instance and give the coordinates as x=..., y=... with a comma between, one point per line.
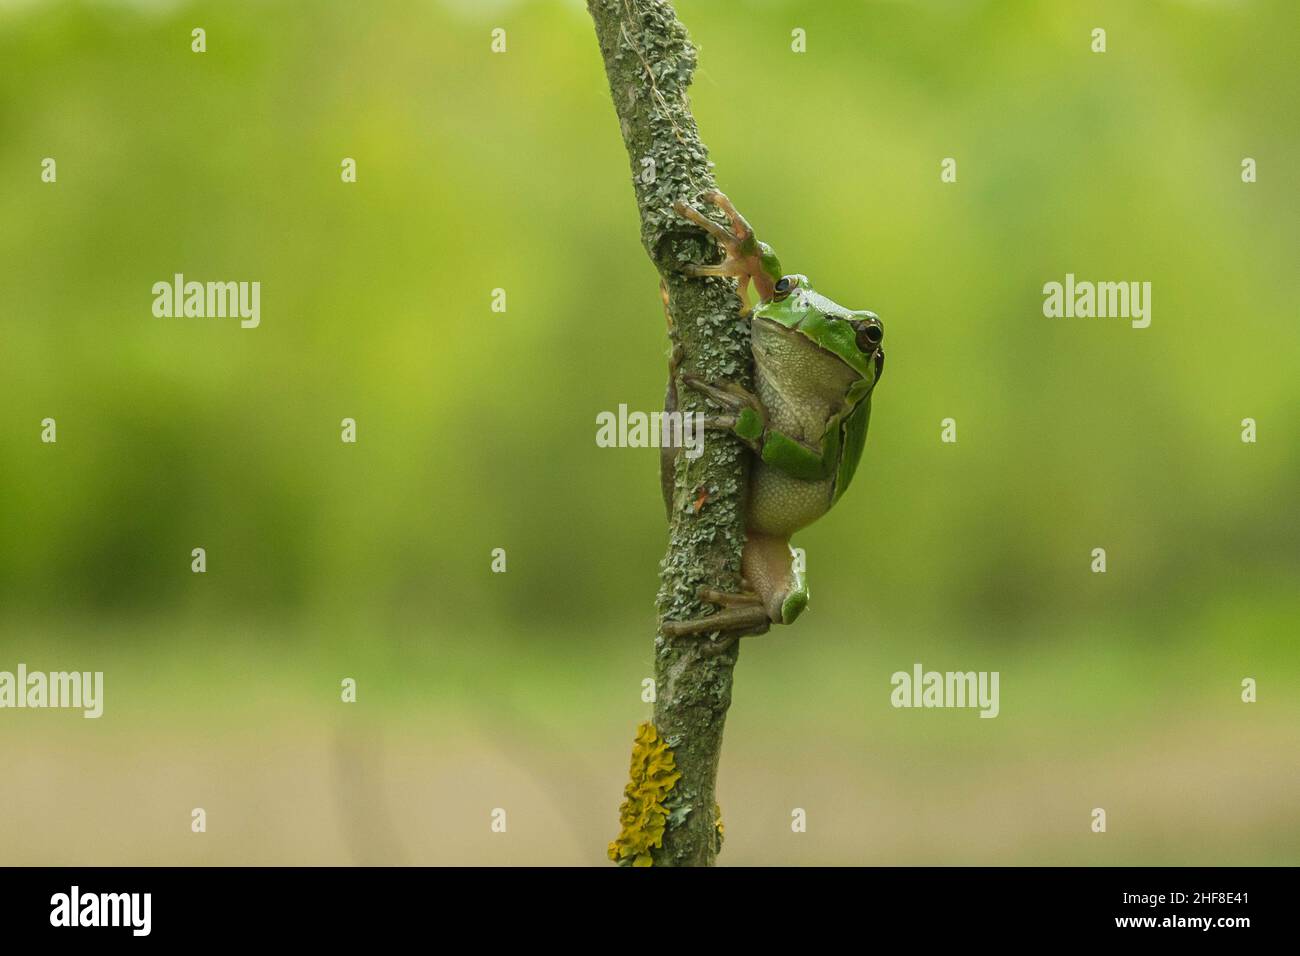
x=745, y=415
x=747, y=259
x=747, y=418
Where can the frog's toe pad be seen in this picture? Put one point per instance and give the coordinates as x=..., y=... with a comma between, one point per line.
x=793, y=605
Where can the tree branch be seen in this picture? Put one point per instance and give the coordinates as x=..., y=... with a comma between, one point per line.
x=649, y=60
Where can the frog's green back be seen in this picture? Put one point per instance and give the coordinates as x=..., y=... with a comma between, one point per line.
x=855, y=439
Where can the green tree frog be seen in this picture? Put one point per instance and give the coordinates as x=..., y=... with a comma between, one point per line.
x=816, y=365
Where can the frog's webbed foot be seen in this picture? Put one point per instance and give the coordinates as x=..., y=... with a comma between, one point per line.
x=746, y=259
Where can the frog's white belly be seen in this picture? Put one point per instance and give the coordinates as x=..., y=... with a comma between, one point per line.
x=780, y=505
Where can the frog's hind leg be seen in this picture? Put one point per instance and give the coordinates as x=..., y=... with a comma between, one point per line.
x=743, y=614
x=772, y=592
x=734, y=622
x=743, y=598
x=769, y=563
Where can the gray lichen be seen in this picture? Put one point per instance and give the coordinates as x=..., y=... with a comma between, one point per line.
x=649, y=60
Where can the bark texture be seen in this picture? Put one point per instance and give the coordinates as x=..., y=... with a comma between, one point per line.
x=649, y=60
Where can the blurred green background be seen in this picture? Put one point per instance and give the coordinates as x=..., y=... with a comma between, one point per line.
x=476, y=430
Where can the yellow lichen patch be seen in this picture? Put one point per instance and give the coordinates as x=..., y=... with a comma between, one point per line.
x=717, y=823
x=643, y=814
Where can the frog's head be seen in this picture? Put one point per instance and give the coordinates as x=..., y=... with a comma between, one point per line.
x=855, y=337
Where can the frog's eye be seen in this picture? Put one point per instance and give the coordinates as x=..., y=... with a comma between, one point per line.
x=870, y=334
x=785, y=285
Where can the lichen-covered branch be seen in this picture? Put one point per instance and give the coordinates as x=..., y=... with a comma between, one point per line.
x=649, y=60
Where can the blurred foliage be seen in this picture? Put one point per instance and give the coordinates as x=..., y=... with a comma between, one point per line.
x=476, y=430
